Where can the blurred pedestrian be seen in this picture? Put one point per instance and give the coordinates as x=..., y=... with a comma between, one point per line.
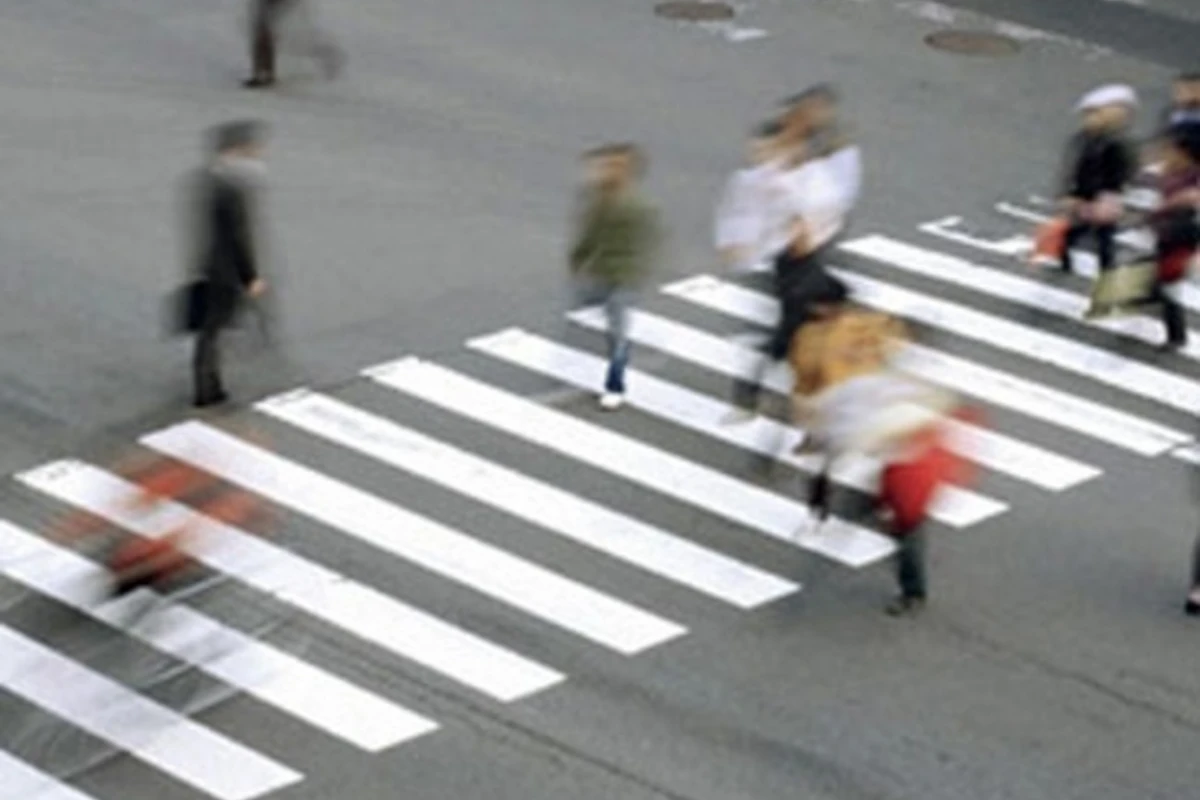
x=1099, y=164
x=1175, y=227
x=267, y=19
x=743, y=212
x=226, y=203
x=614, y=250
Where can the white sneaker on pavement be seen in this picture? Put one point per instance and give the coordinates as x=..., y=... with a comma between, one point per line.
x=611, y=401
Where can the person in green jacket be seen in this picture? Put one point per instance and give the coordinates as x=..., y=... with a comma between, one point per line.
x=614, y=250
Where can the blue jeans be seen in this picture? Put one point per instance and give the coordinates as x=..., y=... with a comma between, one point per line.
x=616, y=301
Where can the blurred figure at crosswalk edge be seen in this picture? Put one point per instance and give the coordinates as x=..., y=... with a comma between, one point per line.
x=853, y=400
x=224, y=200
x=1099, y=163
x=1175, y=227
x=267, y=20
x=615, y=246
x=743, y=210
x=811, y=199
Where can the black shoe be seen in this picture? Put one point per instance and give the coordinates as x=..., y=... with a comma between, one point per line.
x=259, y=82
x=1191, y=608
x=904, y=606
x=220, y=398
x=1171, y=347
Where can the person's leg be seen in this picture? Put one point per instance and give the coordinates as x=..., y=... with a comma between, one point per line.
x=616, y=310
x=262, y=48
x=1074, y=235
x=1106, y=236
x=1174, y=319
x=1192, y=606
x=910, y=572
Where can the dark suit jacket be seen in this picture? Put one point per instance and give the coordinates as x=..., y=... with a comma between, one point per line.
x=226, y=252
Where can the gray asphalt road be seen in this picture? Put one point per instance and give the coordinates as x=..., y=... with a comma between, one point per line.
x=420, y=202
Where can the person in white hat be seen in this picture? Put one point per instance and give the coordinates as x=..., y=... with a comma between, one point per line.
x=1100, y=162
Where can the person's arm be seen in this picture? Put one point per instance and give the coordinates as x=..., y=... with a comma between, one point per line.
x=243, y=231
x=587, y=239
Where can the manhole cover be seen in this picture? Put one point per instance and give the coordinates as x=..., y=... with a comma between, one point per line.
x=973, y=43
x=694, y=11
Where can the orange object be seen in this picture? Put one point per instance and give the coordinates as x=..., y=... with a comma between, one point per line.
x=908, y=486
x=1050, y=241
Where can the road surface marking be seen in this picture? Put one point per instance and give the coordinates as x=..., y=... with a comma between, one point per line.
x=25, y=782
x=1012, y=288
x=275, y=678
x=135, y=724
x=993, y=386
x=670, y=475
x=956, y=507
x=541, y=504
x=357, y=609
x=453, y=555
x=995, y=451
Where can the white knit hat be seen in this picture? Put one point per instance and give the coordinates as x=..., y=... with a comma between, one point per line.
x=1114, y=94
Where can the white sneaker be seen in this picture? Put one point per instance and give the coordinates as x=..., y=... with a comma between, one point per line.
x=611, y=401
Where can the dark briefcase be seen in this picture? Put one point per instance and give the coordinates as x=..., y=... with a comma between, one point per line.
x=189, y=307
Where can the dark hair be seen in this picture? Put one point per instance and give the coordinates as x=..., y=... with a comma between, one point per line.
x=231, y=135
x=769, y=129
x=1186, y=137
x=624, y=149
x=1188, y=77
x=819, y=91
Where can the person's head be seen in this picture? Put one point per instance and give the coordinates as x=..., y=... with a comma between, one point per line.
x=812, y=110
x=241, y=139
x=765, y=142
x=1185, y=92
x=1182, y=151
x=615, y=166
x=1108, y=108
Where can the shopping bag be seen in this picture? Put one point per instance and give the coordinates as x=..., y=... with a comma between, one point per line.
x=1050, y=241
x=1121, y=286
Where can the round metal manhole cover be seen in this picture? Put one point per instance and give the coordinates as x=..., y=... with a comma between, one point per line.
x=694, y=11
x=973, y=43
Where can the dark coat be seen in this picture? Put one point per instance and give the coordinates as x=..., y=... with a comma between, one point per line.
x=226, y=233
x=1097, y=163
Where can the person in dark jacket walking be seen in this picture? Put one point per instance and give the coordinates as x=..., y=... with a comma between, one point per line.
x=1100, y=162
x=1176, y=231
x=266, y=18
x=227, y=249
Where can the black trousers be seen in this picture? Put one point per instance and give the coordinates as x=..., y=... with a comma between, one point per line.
x=1105, y=236
x=267, y=15
x=206, y=359
x=800, y=283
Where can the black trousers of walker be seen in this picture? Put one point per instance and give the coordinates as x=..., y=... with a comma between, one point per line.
x=1105, y=236
x=206, y=359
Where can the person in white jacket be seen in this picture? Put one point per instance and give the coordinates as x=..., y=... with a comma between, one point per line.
x=743, y=211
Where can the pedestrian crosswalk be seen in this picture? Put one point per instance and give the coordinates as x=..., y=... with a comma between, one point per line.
x=1146, y=411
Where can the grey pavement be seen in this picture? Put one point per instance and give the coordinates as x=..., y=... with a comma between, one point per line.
x=421, y=201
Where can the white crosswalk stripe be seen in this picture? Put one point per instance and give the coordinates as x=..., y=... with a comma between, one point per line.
x=956, y=507
x=480, y=566
x=1012, y=457
x=672, y=476
x=344, y=706
x=139, y=726
x=540, y=503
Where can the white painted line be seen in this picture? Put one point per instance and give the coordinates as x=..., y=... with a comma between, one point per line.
x=357, y=609
x=1141, y=380
x=197, y=756
x=995, y=451
x=993, y=386
x=271, y=676
x=20, y=781
x=1012, y=288
x=541, y=504
x=1012, y=247
x=1138, y=239
x=954, y=506
x=670, y=475
x=1189, y=453
x=486, y=569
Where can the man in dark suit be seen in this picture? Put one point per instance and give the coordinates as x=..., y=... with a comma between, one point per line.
x=266, y=16
x=227, y=250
